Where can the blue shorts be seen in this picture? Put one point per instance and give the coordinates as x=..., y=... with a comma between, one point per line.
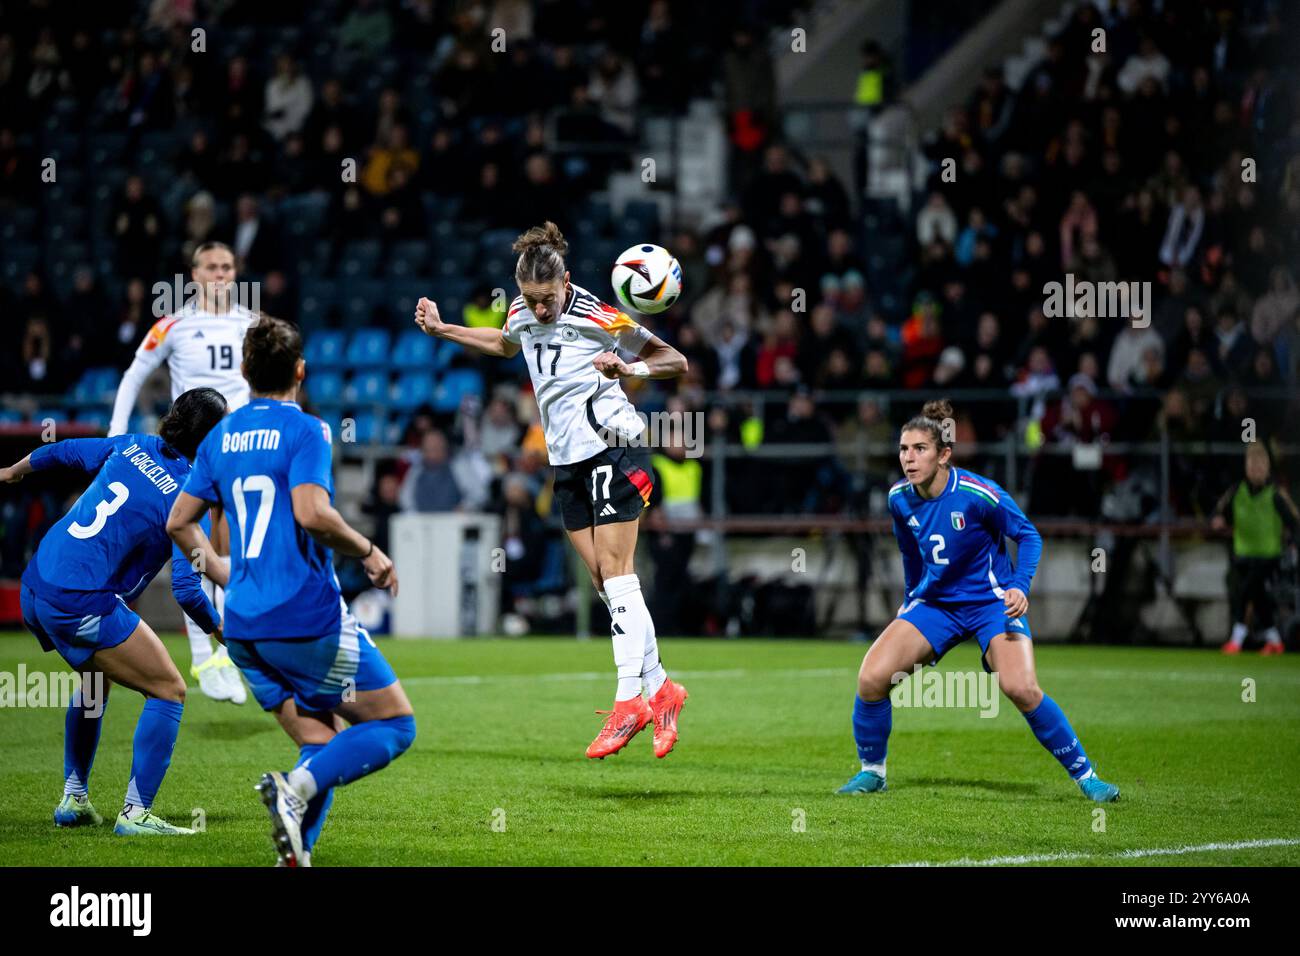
x=947, y=625
x=75, y=635
x=319, y=673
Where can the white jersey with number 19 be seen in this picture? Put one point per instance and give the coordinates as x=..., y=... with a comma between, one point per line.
x=201, y=349
x=575, y=400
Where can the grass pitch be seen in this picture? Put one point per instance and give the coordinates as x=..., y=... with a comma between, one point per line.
x=497, y=774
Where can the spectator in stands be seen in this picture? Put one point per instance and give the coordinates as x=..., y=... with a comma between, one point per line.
x=256, y=241
x=1184, y=231
x=1124, y=370
x=137, y=229
x=614, y=89
x=367, y=30
x=197, y=161
x=1275, y=309
x=1234, y=347
x=499, y=431
x=437, y=482
x=749, y=81
x=1147, y=63
x=395, y=153
x=288, y=99
x=401, y=211
x=200, y=224
x=936, y=221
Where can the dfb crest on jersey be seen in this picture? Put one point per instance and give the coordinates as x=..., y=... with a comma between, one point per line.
x=958, y=520
x=568, y=333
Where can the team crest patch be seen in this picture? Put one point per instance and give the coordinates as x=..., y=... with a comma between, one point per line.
x=958, y=520
x=568, y=333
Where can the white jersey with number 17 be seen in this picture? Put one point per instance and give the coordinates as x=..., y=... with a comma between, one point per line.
x=577, y=402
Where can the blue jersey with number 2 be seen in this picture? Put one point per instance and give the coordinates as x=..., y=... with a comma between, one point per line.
x=954, y=545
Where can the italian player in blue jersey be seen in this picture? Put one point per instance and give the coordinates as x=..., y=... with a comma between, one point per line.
x=89, y=566
x=952, y=528
x=287, y=627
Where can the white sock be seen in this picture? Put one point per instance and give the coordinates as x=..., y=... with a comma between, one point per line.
x=200, y=643
x=1239, y=633
x=877, y=768
x=629, y=617
x=653, y=674
x=302, y=781
x=1271, y=636
x=133, y=811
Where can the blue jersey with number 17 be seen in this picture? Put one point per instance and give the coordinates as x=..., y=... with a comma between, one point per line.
x=282, y=582
x=954, y=545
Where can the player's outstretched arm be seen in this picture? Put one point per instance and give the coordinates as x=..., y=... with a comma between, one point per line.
x=84, y=454
x=487, y=341
x=16, y=472
x=184, y=529
x=658, y=359
x=315, y=515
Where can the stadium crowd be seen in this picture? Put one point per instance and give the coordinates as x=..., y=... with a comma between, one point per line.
x=1126, y=164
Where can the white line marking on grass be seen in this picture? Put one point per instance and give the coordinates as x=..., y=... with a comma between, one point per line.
x=579, y=676
x=797, y=672
x=1122, y=855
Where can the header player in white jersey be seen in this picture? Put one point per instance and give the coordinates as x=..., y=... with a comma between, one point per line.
x=569, y=339
x=202, y=344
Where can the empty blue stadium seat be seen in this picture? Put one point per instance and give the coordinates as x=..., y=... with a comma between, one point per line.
x=455, y=385
x=96, y=385
x=369, y=388
x=360, y=259
x=325, y=350
x=369, y=348
x=325, y=387
x=413, y=390
x=414, y=351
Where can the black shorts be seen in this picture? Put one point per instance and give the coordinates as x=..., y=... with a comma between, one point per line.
x=607, y=488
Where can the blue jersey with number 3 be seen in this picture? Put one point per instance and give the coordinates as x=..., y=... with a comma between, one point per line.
x=282, y=582
x=114, y=539
x=954, y=545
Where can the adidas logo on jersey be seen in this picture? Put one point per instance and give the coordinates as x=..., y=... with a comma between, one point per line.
x=607, y=510
x=913, y=523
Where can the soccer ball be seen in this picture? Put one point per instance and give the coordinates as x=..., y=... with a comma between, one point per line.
x=647, y=278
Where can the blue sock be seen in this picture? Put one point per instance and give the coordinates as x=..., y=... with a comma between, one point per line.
x=80, y=741
x=1053, y=730
x=318, y=806
x=151, y=749
x=872, y=721
x=360, y=750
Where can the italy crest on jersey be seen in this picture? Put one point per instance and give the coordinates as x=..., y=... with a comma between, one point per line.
x=958, y=520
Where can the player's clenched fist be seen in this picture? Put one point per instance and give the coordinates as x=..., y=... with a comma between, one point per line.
x=427, y=318
x=379, y=566
x=610, y=365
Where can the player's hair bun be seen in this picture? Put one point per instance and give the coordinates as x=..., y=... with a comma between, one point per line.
x=937, y=409
x=539, y=236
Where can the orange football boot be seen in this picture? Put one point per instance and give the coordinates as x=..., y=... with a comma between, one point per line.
x=666, y=704
x=625, y=721
x=1272, y=647
x=1230, y=648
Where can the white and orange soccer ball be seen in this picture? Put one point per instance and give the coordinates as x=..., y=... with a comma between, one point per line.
x=647, y=278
